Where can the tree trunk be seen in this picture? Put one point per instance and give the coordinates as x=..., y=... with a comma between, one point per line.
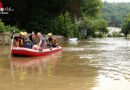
x=126, y=36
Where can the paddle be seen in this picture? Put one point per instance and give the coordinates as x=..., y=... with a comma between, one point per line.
x=11, y=66
x=12, y=43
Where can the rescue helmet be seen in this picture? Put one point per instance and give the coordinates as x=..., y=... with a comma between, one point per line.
x=49, y=34
x=21, y=33
x=25, y=33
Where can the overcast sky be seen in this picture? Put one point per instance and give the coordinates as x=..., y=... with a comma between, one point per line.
x=117, y=0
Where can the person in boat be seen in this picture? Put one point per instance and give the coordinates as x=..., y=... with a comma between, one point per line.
x=32, y=38
x=20, y=41
x=28, y=43
x=52, y=40
x=47, y=41
x=42, y=42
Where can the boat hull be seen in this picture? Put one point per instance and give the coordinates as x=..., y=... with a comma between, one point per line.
x=20, y=51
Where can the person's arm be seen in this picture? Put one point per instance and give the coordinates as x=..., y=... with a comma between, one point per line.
x=40, y=43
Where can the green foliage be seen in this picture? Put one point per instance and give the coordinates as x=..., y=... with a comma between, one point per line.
x=38, y=15
x=76, y=32
x=117, y=35
x=91, y=7
x=41, y=16
x=11, y=29
x=126, y=25
x=2, y=26
x=102, y=35
x=89, y=24
x=114, y=13
x=90, y=10
x=39, y=21
x=7, y=28
x=102, y=26
x=93, y=25
x=65, y=25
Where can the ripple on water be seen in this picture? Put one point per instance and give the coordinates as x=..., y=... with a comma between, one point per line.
x=73, y=49
x=112, y=55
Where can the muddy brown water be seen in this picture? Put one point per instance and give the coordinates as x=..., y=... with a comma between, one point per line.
x=95, y=64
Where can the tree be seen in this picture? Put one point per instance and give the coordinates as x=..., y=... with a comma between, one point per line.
x=2, y=26
x=38, y=15
x=126, y=25
x=114, y=13
x=90, y=10
x=41, y=15
x=102, y=26
x=65, y=25
x=89, y=24
x=9, y=28
x=91, y=7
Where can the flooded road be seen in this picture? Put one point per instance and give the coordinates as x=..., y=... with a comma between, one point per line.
x=95, y=64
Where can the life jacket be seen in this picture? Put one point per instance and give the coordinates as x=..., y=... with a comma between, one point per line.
x=19, y=42
x=33, y=38
x=53, y=41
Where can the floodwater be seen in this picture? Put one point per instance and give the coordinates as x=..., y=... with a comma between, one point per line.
x=95, y=64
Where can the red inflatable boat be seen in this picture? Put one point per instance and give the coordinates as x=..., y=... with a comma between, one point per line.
x=21, y=51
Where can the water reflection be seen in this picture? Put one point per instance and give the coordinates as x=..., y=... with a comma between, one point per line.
x=55, y=71
x=95, y=64
x=34, y=65
x=73, y=41
x=111, y=56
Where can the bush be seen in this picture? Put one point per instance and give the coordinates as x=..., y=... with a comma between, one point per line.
x=65, y=25
x=102, y=25
x=95, y=35
x=89, y=36
x=11, y=29
x=102, y=35
x=117, y=35
x=8, y=27
x=126, y=25
x=2, y=26
x=89, y=24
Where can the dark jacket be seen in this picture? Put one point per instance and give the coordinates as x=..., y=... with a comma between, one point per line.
x=32, y=39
